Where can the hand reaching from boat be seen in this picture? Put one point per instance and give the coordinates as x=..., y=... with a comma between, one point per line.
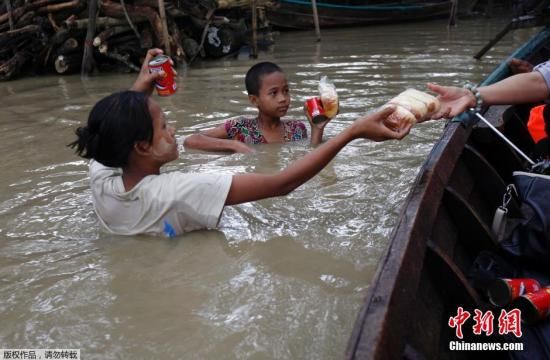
x=454, y=100
x=523, y=88
x=518, y=66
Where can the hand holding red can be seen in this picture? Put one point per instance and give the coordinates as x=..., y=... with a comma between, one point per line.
x=166, y=85
x=146, y=79
x=314, y=110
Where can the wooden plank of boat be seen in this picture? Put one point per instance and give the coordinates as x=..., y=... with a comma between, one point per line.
x=297, y=14
x=445, y=223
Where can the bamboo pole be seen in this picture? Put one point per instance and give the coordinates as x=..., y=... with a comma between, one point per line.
x=88, y=62
x=454, y=11
x=254, y=47
x=316, y=19
x=162, y=12
x=129, y=20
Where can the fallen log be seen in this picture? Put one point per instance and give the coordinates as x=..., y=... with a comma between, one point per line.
x=11, y=68
x=222, y=41
x=68, y=64
x=124, y=59
x=107, y=33
x=62, y=35
x=27, y=30
x=115, y=10
x=28, y=7
x=198, y=8
x=60, y=7
x=101, y=22
x=123, y=44
x=25, y=19
x=69, y=46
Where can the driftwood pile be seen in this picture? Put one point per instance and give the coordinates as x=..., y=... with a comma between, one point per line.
x=68, y=36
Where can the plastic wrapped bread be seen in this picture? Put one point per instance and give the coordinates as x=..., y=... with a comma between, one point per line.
x=329, y=97
x=412, y=106
x=430, y=101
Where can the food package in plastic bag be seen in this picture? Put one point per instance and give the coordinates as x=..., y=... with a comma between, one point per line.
x=413, y=106
x=329, y=97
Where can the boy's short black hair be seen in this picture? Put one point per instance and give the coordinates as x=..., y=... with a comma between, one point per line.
x=115, y=124
x=253, y=79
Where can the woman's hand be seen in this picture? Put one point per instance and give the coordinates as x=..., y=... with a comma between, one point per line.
x=145, y=81
x=518, y=66
x=374, y=126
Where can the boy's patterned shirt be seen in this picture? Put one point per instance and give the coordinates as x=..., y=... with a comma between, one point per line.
x=247, y=131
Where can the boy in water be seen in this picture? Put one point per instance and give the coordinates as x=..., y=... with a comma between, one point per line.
x=268, y=90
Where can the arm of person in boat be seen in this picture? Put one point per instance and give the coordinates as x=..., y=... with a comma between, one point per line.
x=251, y=187
x=215, y=139
x=517, y=89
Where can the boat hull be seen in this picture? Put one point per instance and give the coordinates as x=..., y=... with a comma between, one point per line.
x=298, y=14
x=444, y=226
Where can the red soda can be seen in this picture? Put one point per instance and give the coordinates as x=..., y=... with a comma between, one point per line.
x=166, y=85
x=314, y=110
x=534, y=306
x=503, y=291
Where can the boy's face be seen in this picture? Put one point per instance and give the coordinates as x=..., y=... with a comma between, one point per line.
x=273, y=98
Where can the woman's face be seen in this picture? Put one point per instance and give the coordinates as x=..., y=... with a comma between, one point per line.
x=164, y=144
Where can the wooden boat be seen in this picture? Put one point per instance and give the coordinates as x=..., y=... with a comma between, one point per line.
x=297, y=14
x=446, y=222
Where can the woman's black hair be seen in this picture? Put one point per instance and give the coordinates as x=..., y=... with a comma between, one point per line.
x=115, y=124
x=253, y=79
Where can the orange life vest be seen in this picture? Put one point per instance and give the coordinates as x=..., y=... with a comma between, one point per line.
x=535, y=125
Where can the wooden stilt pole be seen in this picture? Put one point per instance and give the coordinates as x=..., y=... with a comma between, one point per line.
x=8, y=9
x=88, y=62
x=254, y=45
x=316, y=19
x=454, y=11
x=165, y=35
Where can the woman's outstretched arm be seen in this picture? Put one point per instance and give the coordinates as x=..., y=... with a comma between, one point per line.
x=251, y=187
